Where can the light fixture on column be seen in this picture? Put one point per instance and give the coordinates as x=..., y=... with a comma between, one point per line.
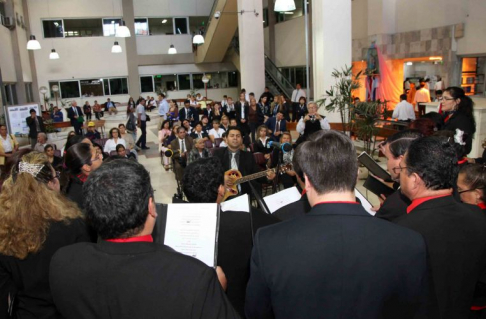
x=43, y=91
x=54, y=55
x=198, y=39
x=284, y=5
x=116, y=48
x=122, y=31
x=205, y=80
x=172, y=49
x=33, y=44
x=55, y=89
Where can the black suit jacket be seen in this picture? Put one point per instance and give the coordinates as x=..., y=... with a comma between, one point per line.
x=336, y=262
x=30, y=277
x=134, y=280
x=464, y=123
x=456, y=243
x=71, y=115
x=32, y=127
x=395, y=206
x=246, y=166
x=188, y=114
x=238, y=107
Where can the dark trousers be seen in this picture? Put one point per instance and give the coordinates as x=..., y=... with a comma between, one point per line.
x=88, y=116
x=143, y=138
x=295, y=106
x=33, y=141
x=78, y=128
x=253, y=128
x=421, y=109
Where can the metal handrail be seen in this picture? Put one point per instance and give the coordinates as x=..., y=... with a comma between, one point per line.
x=278, y=77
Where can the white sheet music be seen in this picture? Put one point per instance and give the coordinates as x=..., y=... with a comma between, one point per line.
x=364, y=202
x=238, y=204
x=191, y=229
x=282, y=198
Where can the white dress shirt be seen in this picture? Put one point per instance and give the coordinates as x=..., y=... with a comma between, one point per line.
x=7, y=144
x=141, y=110
x=297, y=94
x=110, y=145
x=163, y=108
x=301, y=125
x=403, y=111
x=422, y=96
x=216, y=134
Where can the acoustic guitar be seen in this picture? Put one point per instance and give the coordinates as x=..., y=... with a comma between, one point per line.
x=238, y=178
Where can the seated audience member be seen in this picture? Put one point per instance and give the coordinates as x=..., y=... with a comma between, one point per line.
x=41, y=142
x=115, y=139
x=216, y=131
x=233, y=157
x=122, y=152
x=223, y=142
x=198, y=132
x=110, y=107
x=57, y=115
x=34, y=224
x=99, y=150
x=198, y=151
x=261, y=144
x=394, y=148
x=319, y=265
x=438, y=96
x=206, y=123
x=129, y=141
x=277, y=125
x=81, y=160
x=224, y=124
x=92, y=133
x=302, y=108
x=8, y=146
x=98, y=110
x=289, y=178
x=404, y=111
x=311, y=123
x=140, y=279
x=204, y=183
x=53, y=160
x=187, y=125
x=454, y=232
x=189, y=113
x=181, y=146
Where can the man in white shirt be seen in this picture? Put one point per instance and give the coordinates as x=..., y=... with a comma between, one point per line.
x=438, y=85
x=404, y=111
x=296, y=95
x=421, y=96
x=311, y=123
x=163, y=109
x=8, y=145
x=142, y=124
x=41, y=142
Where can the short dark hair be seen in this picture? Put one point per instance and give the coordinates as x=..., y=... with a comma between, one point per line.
x=48, y=146
x=438, y=92
x=187, y=102
x=118, y=194
x=233, y=128
x=120, y=146
x=403, y=97
x=324, y=157
x=180, y=128
x=202, y=179
x=399, y=142
x=434, y=159
x=475, y=177
x=32, y=111
x=120, y=125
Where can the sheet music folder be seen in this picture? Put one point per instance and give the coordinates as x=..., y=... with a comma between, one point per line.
x=191, y=229
x=373, y=167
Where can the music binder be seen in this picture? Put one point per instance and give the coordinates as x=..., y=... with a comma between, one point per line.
x=373, y=167
x=377, y=187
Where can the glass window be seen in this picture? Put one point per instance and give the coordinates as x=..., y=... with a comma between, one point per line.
x=184, y=81
x=10, y=94
x=300, y=76
x=146, y=84
x=141, y=26
x=265, y=17
x=69, y=89
x=51, y=84
x=161, y=26
x=28, y=92
x=118, y=86
x=110, y=26
x=106, y=86
x=92, y=87
x=233, y=79
x=83, y=28
x=2, y=9
x=197, y=82
x=165, y=83
x=197, y=25
x=53, y=28
x=180, y=25
x=217, y=80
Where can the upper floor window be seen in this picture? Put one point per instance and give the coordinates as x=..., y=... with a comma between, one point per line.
x=109, y=26
x=141, y=26
x=53, y=28
x=161, y=26
x=83, y=28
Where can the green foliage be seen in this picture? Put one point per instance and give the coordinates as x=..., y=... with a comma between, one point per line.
x=49, y=126
x=365, y=116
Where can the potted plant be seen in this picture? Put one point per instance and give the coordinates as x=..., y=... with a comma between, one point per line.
x=365, y=116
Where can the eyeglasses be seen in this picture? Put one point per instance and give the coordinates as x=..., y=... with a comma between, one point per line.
x=448, y=98
x=397, y=170
x=467, y=190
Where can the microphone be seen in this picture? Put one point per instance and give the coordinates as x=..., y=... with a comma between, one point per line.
x=285, y=147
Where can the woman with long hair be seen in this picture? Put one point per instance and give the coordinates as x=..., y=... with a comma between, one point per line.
x=81, y=159
x=53, y=160
x=115, y=139
x=253, y=118
x=35, y=221
x=458, y=113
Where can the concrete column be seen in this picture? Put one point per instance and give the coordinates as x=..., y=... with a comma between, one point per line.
x=33, y=69
x=331, y=44
x=252, y=60
x=271, y=31
x=131, y=50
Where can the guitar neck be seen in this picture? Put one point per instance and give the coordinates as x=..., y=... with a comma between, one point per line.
x=254, y=176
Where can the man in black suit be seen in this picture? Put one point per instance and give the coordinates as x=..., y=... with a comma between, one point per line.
x=74, y=113
x=233, y=157
x=242, y=109
x=277, y=125
x=36, y=126
x=189, y=113
x=126, y=275
x=204, y=183
x=181, y=146
x=337, y=261
x=229, y=110
x=454, y=232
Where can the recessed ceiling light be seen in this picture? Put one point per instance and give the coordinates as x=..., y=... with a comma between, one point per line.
x=164, y=21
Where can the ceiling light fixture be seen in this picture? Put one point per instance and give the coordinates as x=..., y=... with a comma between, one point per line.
x=172, y=49
x=33, y=44
x=164, y=21
x=54, y=55
x=198, y=39
x=116, y=48
x=122, y=31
